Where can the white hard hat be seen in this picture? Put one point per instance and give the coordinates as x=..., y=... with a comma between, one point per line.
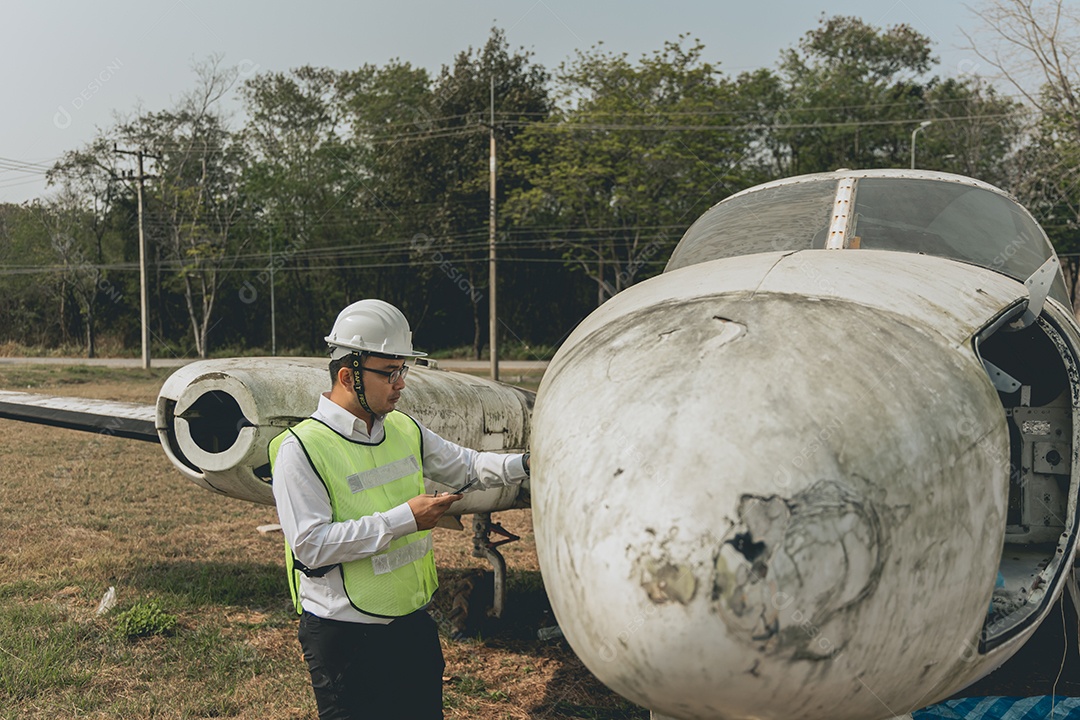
x=371, y=326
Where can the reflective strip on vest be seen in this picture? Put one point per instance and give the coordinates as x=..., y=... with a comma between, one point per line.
x=381, y=475
x=390, y=561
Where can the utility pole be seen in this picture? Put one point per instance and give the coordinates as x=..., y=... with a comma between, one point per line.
x=143, y=297
x=493, y=327
x=273, y=318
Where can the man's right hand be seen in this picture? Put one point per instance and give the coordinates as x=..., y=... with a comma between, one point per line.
x=427, y=509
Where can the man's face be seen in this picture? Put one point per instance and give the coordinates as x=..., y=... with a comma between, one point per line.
x=382, y=395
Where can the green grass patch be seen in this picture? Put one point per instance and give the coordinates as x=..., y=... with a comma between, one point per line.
x=40, y=649
x=106, y=345
x=529, y=584
x=465, y=690
x=144, y=619
x=28, y=589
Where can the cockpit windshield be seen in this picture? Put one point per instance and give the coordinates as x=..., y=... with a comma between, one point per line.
x=793, y=216
x=951, y=219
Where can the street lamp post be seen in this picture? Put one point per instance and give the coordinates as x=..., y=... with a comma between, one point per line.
x=922, y=125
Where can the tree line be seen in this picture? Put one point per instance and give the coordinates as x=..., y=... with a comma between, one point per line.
x=340, y=184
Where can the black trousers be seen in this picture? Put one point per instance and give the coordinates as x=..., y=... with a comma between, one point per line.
x=376, y=672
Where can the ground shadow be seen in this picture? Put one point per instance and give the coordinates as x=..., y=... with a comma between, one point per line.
x=573, y=692
x=244, y=584
x=526, y=609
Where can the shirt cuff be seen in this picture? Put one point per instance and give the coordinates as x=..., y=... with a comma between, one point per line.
x=401, y=520
x=516, y=470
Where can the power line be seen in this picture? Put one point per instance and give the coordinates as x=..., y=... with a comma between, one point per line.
x=23, y=165
x=609, y=127
x=132, y=267
x=580, y=123
x=937, y=102
x=455, y=252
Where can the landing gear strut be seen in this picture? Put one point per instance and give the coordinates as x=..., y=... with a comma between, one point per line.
x=484, y=547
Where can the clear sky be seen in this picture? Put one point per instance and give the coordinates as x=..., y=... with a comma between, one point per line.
x=71, y=65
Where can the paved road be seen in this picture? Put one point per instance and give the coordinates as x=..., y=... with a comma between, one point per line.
x=101, y=362
x=517, y=366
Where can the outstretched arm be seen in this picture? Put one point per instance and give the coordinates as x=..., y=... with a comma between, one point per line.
x=454, y=465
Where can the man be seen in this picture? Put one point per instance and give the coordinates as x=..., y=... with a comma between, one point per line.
x=350, y=495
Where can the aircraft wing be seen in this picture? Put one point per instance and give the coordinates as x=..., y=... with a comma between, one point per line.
x=122, y=419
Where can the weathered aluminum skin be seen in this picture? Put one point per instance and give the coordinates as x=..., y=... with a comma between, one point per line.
x=271, y=394
x=775, y=486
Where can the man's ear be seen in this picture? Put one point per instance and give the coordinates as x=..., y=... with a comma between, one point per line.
x=345, y=376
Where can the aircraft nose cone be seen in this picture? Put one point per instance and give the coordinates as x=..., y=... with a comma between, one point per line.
x=772, y=506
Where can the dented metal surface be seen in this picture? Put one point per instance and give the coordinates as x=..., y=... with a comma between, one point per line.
x=830, y=524
x=215, y=419
x=806, y=478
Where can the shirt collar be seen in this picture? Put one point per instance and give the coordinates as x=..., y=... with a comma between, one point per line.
x=345, y=423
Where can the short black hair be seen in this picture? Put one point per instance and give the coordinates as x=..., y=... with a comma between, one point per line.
x=345, y=361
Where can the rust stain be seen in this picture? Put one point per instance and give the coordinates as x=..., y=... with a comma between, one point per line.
x=665, y=582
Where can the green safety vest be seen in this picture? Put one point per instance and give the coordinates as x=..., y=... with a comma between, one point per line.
x=362, y=479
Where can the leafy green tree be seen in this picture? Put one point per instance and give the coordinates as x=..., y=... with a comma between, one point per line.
x=300, y=180
x=635, y=153
x=975, y=130
x=82, y=228
x=375, y=181
x=850, y=95
x=761, y=102
x=32, y=302
x=391, y=113
x=851, y=89
x=1047, y=182
x=196, y=203
x=426, y=146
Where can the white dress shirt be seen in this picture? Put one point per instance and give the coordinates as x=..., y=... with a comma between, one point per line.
x=306, y=517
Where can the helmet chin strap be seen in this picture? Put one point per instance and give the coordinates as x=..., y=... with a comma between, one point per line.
x=358, y=382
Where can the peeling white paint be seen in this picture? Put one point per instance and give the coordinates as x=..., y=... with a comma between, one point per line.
x=828, y=485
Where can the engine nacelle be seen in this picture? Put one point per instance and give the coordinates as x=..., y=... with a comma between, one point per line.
x=216, y=418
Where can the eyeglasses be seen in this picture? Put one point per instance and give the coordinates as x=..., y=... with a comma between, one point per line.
x=392, y=376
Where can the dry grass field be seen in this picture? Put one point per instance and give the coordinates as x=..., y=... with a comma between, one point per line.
x=80, y=513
